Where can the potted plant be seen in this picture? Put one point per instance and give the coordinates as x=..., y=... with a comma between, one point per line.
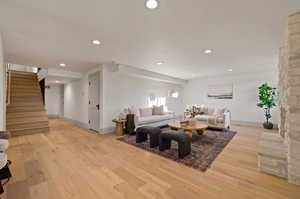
x=267, y=98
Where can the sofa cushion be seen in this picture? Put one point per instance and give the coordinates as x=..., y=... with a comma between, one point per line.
x=210, y=117
x=204, y=117
x=220, y=120
x=154, y=118
x=158, y=110
x=219, y=111
x=145, y=112
x=210, y=111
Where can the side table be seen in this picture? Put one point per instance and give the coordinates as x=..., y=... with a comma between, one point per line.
x=119, y=126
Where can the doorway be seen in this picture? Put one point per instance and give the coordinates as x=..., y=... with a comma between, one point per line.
x=94, y=101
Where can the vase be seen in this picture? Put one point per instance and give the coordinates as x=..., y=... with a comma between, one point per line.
x=268, y=125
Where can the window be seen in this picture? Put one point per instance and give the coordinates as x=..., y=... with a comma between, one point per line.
x=158, y=101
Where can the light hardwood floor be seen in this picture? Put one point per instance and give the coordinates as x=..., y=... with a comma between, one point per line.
x=71, y=162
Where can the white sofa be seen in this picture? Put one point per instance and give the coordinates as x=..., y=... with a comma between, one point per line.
x=215, y=118
x=148, y=117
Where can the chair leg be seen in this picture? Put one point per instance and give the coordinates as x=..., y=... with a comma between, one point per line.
x=164, y=144
x=154, y=140
x=184, y=149
x=141, y=137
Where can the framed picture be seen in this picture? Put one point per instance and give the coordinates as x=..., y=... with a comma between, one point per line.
x=220, y=91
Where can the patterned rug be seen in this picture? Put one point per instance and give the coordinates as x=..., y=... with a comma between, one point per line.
x=205, y=148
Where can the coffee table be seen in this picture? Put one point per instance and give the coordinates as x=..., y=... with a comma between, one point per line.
x=188, y=126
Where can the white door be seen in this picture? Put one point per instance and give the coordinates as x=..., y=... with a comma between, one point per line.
x=94, y=107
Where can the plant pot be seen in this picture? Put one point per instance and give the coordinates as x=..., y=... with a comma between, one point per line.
x=268, y=125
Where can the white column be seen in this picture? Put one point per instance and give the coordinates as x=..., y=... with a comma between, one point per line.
x=2, y=89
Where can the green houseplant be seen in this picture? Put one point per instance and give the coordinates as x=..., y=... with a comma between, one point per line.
x=267, y=100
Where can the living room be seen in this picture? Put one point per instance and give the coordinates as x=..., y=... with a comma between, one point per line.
x=141, y=85
x=149, y=99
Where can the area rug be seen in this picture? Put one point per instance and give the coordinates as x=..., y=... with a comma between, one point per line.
x=205, y=148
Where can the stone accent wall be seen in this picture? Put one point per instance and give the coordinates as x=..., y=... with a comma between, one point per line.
x=282, y=84
x=279, y=154
x=293, y=99
x=272, y=156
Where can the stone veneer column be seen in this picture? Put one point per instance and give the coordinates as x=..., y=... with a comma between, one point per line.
x=279, y=154
x=293, y=99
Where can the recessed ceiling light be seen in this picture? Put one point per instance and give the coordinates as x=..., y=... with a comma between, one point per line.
x=229, y=70
x=160, y=63
x=151, y=4
x=62, y=65
x=96, y=42
x=208, y=51
x=57, y=82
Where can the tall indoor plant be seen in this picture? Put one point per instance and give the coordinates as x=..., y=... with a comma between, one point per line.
x=267, y=100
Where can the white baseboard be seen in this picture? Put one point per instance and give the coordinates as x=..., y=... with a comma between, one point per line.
x=108, y=130
x=53, y=116
x=86, y=126
x=251, y=124
x=78, y=123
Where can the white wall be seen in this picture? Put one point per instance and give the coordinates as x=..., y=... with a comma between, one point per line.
x=2, y=89
x=245, y=94
x=54, y=99
x=121, y=91
x=76, y=100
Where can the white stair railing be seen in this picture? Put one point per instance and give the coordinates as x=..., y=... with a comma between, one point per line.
x=42, y=74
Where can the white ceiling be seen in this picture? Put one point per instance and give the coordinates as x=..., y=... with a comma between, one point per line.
x=244, y=34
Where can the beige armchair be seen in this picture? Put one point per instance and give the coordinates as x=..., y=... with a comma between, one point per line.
x=215, y=118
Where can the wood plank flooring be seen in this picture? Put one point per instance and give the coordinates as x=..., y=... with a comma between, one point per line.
x=71, y=162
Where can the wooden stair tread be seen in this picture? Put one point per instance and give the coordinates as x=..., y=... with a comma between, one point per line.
x=27, y=104
x=33, y=85
x=16, y=82
x=25, y=120
x=25, y=94
x=19, y=78
x=26, y=99
x=24, y=110
x=21, y=72
x=25, y=114
x=28, y=87
x=21, y=92
x=29, y=131
x=25, y=126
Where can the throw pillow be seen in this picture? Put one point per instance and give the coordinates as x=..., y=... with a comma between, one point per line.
x=202, y=109
x=134, y=111
x=145, y=112
x=158, y=110
x=210, y=111
x=205, y=110
x=219, y=111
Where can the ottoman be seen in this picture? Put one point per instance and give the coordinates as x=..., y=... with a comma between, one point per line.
x=153, y=132
x=183, y=140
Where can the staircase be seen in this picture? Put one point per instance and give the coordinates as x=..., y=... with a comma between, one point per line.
x=25, y=114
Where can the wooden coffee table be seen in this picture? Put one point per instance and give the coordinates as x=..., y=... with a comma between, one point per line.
x=188, y=126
